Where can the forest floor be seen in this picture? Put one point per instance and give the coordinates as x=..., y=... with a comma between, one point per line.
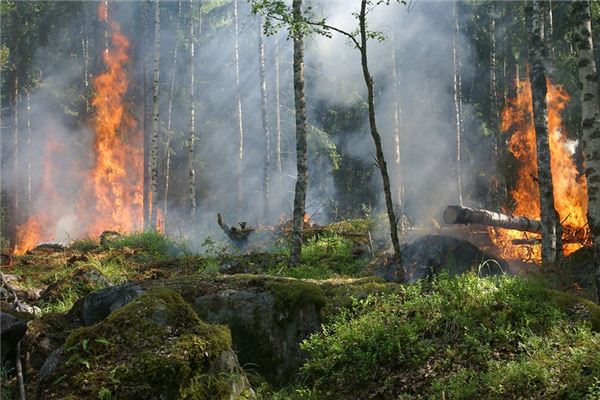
x=441, y=337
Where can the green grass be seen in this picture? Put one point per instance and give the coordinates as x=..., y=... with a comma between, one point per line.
x=150, y=246
x=464, y=337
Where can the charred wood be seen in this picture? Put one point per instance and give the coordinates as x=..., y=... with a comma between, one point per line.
x=239, y=236
x=466, y=215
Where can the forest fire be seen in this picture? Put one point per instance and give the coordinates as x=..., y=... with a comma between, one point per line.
x=117, y=175
x=111, y=195
x=570, y=192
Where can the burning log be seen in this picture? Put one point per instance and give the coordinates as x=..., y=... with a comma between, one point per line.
x=237, y=236
x=465, y=215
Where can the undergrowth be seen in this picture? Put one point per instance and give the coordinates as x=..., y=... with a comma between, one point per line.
x=458, y=338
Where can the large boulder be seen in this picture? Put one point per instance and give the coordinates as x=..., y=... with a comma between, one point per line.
x=269, y=317
x=155, y=347
x=12, y=330
x=431, y=254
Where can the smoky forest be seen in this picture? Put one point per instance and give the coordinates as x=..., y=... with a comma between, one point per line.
x=299, y=199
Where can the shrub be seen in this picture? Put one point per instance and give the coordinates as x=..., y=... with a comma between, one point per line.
x=463, y=337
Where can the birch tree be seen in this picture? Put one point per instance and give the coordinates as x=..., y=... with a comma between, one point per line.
x=457, y=101
x=239, y=126
x=155, y=116
x=169, y=132
x=191, y=140
x=301, y=128
x=265, y=121
x=590, y=121
x=551, y=229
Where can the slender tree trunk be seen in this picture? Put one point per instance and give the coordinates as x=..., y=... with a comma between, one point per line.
x=498, y=149
x=549, y=27
x=301, y=150
x=28, y=188
x=238, y=112
x=377, y=139
x=590, y=115
x=265, y=123
x=457, y=117
x=16, y=97
x=13, y=94
x=169, y=119
x=278, y=162
x=146, y=116
x=191, y=145
x=551, y=229
x=397, y=135
x=155, y=117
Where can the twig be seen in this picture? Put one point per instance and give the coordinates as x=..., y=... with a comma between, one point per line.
x=20, y=372
x=371, y=244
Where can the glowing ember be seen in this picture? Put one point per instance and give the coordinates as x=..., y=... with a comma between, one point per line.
x=111, y=195
x=570, y=191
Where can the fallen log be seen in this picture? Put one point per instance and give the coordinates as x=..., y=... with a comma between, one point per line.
x=466, y=215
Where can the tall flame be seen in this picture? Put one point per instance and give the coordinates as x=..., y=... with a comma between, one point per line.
x=118, y=174
x=569, y=186
x=111, y=195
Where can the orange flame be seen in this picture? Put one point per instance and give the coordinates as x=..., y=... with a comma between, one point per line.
x=570, y=190
x=118, y=174
x=111, y=196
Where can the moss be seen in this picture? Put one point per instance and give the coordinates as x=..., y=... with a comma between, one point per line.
x=292, y=294
x=154, y=347
x=577, y=308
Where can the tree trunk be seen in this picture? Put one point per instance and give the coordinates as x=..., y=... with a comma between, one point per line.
x=155, y=116
x=457, y=117
x=278, y=162
x=146, y=114
x=551, y=229
x=397, y=117
x=466, y=215
x=29, y=155
x=238, y=112
x=377, y=139
x=301, y=151
x=192, y=131
x=265, y=123
x=590, y=113
x=494, y=116
x=549, y=27
x=169, y=120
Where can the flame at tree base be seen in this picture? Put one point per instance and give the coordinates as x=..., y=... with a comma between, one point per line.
x=569, y=186
x=110, y=195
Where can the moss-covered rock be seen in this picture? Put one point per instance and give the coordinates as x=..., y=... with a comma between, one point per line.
x=155, y=347
x=268, y=317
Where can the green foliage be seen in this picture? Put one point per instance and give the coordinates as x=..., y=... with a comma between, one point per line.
x=150, y=246
x=463, y=337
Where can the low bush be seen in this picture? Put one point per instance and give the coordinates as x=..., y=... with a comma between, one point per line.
x=459, y=338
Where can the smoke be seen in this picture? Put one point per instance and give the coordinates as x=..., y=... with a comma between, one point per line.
x=421, y=36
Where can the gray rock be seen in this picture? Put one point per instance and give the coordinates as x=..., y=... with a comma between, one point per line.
x=98, y=305
x=266, y=336
x=431, y=254
x=12, y=330
x=53, y=361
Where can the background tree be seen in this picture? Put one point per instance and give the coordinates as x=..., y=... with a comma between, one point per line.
x=590, y=121
x=551, y=228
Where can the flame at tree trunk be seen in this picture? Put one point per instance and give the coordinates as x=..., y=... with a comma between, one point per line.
x=570, y=190
x=118, y=174
x=111, y=191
